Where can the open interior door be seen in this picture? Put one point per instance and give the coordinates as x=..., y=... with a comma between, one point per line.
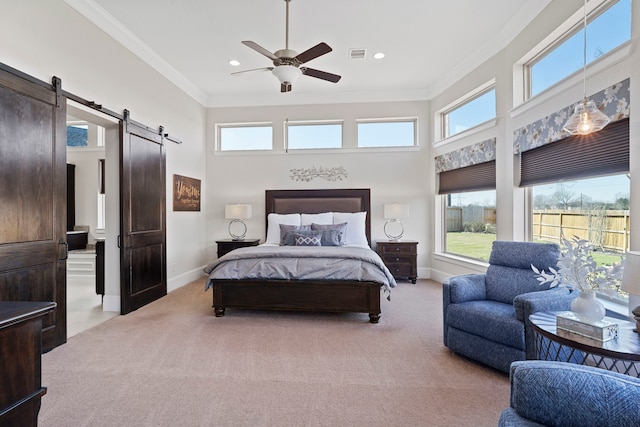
x=143, y=276
x=33, y=185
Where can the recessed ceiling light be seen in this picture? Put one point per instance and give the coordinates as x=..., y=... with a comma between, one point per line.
x=378, y=55
x=234, y=63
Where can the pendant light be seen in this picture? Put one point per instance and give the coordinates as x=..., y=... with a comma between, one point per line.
x=586, y=117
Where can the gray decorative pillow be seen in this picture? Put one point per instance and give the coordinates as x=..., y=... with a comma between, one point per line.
x=308, y=239
x=287, y=233
x=332, y=234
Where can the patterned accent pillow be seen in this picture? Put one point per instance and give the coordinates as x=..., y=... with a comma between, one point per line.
x=288, y=233
x=332, y=234
x=308, y=239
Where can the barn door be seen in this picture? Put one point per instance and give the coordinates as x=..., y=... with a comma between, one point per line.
x=33, y=182
x=142, y=223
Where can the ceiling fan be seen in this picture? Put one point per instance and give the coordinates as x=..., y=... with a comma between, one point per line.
x=286, y=62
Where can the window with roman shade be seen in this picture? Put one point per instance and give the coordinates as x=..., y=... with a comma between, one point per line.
x=580, y=156
x=467, y=177
x=471, y=168
x=547, y=154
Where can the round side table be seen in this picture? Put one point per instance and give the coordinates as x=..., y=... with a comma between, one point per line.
x=621, y=354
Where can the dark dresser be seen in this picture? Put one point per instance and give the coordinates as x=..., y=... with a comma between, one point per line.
x=20, y=361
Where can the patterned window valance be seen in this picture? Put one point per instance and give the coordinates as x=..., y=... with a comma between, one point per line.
x=481, y=152
x=613, y=101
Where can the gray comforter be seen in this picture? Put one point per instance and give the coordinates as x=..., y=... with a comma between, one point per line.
x=302, y=263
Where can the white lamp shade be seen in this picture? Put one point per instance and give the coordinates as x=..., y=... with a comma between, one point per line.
x=631, y=273
x=396, y=211
x=237, y=211
x=287, y=73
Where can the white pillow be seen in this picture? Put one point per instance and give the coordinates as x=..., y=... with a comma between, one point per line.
x=320, y=218
x=273, y=225
x=356, y=233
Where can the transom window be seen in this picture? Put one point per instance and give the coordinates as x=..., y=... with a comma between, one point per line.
x=313, y=135
x=478, y=107
x=607, y=29
x=257, y=136
x=387, y=133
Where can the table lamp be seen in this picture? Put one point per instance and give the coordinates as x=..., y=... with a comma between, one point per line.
x=236, y=213
x=393, y=213
x=631, y=283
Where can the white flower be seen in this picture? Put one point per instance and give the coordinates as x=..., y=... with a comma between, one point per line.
x=578, y=270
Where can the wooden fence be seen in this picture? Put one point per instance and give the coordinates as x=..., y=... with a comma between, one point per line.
x=605, y=229
x=457, y=216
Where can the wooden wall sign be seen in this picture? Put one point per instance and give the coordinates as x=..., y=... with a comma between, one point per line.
x=186, y=193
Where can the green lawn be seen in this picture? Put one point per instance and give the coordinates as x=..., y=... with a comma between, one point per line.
x=478, y=246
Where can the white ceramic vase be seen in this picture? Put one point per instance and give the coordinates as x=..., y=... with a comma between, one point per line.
x=587, y=308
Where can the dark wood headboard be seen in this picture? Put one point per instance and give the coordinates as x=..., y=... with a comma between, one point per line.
x=318, y=201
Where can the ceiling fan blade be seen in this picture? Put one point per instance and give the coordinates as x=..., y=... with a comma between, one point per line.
x=237, y=73
x=255, y=46
x=333, y=78
x=285, y=87
x=316, y=51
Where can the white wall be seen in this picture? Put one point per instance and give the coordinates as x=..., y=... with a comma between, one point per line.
x=392, y=176
x=48, y=38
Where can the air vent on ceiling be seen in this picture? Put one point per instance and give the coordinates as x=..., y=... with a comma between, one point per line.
x=357, y=53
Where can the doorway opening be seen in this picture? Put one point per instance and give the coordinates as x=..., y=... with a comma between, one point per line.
x=92, y=218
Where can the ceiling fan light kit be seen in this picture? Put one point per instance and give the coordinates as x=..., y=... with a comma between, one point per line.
x=286, y=62
x=287, y=74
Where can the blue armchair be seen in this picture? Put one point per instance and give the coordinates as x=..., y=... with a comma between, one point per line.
x=486, y=316
x=568, y=395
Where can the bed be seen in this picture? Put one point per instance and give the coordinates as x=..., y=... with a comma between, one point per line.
x=358, y=291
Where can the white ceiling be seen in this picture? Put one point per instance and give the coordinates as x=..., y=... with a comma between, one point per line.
x=428, y=44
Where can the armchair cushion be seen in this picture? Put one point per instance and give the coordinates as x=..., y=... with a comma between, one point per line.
x=564, y=394
x=556, y=299
x=489, y=319
x=509, y=273
x=468, y=287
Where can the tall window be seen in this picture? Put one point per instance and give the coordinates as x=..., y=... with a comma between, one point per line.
x=470, y=224
x=387, y=133
x=257, y=136
x=594, y=209
x=469, y=195
x=580, y=187
x=473, y=111
x=608, y=30
x=313, y=135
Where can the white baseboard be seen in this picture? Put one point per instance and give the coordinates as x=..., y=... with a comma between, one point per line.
x=184, y=278
x=439, y=276
x=424, y=273
x=111, y=303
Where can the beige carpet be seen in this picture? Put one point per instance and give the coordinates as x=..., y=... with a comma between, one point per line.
x=173, y=363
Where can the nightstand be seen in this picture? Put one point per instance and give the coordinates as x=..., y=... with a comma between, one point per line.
x=227, y=245
x=399, y=257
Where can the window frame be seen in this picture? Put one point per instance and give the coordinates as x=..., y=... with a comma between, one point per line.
x=289, y=123
x=443, y=114
x=572, y=26
x=218, y=136
x=413, y=120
